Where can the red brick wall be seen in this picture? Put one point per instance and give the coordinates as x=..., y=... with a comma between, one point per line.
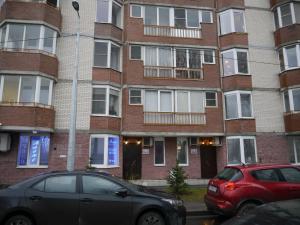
x=289, y=78
x=230, y=4
x=287, y=34
x=104, y=74
x=240, y=125
x=108, y=30
x=233, y=39
x=237, y=82
x=292, y=122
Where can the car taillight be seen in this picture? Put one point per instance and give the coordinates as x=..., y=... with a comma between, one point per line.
x=230, y=186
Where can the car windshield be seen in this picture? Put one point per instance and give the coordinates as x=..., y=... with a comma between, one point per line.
x=230, y=174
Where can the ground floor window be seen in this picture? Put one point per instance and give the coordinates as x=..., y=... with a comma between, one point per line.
x=182, y=151
x=159, y=152
x=241, y=150
x=294, y=146
x=33, y=150
x=104, y=151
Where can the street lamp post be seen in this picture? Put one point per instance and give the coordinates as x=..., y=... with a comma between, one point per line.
x=72, y=129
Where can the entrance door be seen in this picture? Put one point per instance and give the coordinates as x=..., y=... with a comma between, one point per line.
x=132, y=161
x=208, y=161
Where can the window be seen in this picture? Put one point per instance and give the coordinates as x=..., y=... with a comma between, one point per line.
x=211, y=99
x=109, y=11
x=209, y=56
x=265, y=175
x=61, y=184
x=291, y=175
x=188, y=58
x=182, y=151
x=287, y=14
x=294, y=147
x=28, y=36
x=159, y=152
x=105, y=101
x=292, y=100
x=158, y=101
x=135, y=97
x=104, y=151
x=98, y=186
x=193, y=18
x=26, y=89
x=289, y=57
x=136, y=11
x=33, y=151
x=107, y=55
x=135, y=52
x=241, y=150
x=238, y=105
x=232, y=21
x=235, y=61
x=189, y=101
x=206, y=16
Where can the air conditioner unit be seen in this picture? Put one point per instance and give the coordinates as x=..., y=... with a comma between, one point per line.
x=5, y=140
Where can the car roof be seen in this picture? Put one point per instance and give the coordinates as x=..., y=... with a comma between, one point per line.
x=260, y=166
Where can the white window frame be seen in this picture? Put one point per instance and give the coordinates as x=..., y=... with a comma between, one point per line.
x=291, y=100
x=158, y=98
x=107, y=91
x=189, y=100
x=210, y=14
x=239, y=106
x=187, y=52
x=135, y=89
x=28, y=150
x=186, y=150
x=203, y=58
x=142, y=52
x=105, y=137
x=285, y=58
x=242, y=149
x=216, y=97
x=232, y=24
x=154, y=151
x=37, y=88
x=295, y=152
x=110, y=4
x=108, y=64
x=131, y=10
x=292, y=8
x=235, y=60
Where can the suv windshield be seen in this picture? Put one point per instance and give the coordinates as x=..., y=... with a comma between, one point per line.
x=230, y=174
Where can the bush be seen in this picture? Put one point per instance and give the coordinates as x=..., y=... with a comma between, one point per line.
x=176, y=181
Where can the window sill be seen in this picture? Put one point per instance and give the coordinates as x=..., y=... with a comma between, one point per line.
x=104, y=166
x=183, y=165
x=292, y=112
x=236, y=33
x=289, y=69
x=107, y=68
x=237, y=74
x=32, y=167
x=159, y=165
x=37, y=51
x=113, y=25
x=20, y=104
x=100, y=115
x=243, y=118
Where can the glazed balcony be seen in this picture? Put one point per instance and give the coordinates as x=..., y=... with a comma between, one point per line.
x=174, y=118
x=173, y=73
x=43, y=11
x=166, y=31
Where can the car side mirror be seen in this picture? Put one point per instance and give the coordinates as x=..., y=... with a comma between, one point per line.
x=122, y=193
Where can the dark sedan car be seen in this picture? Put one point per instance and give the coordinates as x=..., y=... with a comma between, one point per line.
x=86, y=198
x=275, y=213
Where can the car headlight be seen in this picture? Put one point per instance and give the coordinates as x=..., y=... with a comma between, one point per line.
x=173, y=202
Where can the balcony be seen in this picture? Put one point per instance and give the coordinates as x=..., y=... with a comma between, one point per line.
x=165, y=31
x=174, y=118
x=173, y=73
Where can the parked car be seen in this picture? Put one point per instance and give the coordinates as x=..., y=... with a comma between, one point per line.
x=275, y=213
x=238, y=189
x=86, y=198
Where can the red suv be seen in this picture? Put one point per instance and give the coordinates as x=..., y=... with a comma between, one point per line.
x=237, y=189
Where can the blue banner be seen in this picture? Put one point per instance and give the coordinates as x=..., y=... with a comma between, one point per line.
x=34, y=150
x=45, y=143
x=23, y=148
x=113, y=151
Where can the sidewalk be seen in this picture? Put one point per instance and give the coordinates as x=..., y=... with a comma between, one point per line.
x=195, y=208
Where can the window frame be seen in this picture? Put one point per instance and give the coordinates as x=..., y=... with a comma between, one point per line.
x=135, y=89
x=291, y=100
x=142, y=52
x=278, y=11
x=216, y=99
x=213, y=55
x=107, y=93
x=158, y=99
x=164, y=151
x=294, y=139
x=108, y=64
x=239, y=106
x=285, y=58
x=109, y=19
x=232, y=21
x=40, y=40
x=235, y=60
x=105, y=151
x=131, y=10
x=242, y=148
x=186, y=151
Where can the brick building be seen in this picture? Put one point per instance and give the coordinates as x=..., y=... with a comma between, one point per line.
x=207, y=82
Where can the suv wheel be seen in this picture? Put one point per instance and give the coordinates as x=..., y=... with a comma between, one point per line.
x=19, y=220
x=151, y=218
x=245, y=208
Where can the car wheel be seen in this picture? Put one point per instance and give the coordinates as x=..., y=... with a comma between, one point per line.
x=151, y=218
x=19, y=220
x=245, y=208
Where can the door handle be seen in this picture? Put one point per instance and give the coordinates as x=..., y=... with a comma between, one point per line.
x=35, y=198
x=86, y=200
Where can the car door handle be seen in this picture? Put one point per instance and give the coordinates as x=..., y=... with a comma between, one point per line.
x=86, y=200
x=35, y=198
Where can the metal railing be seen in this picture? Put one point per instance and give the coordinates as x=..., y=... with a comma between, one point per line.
x=171, y=72
x=174, y=118
x=165, y=31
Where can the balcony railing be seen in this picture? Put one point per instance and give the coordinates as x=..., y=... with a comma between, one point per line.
x=171, y=72
x=174, y=118
x=166, y=31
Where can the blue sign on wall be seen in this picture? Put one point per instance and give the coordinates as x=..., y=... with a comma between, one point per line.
x=23, y=148
x=113, y=151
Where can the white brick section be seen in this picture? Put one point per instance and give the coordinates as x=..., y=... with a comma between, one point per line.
x=62, y=104
x=258, y=3
x=268, y=111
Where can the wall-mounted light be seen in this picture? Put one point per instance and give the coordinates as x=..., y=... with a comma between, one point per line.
x=125, y=142
x=138, y=142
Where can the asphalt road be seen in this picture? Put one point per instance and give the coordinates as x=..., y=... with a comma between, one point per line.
x=205, y=220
